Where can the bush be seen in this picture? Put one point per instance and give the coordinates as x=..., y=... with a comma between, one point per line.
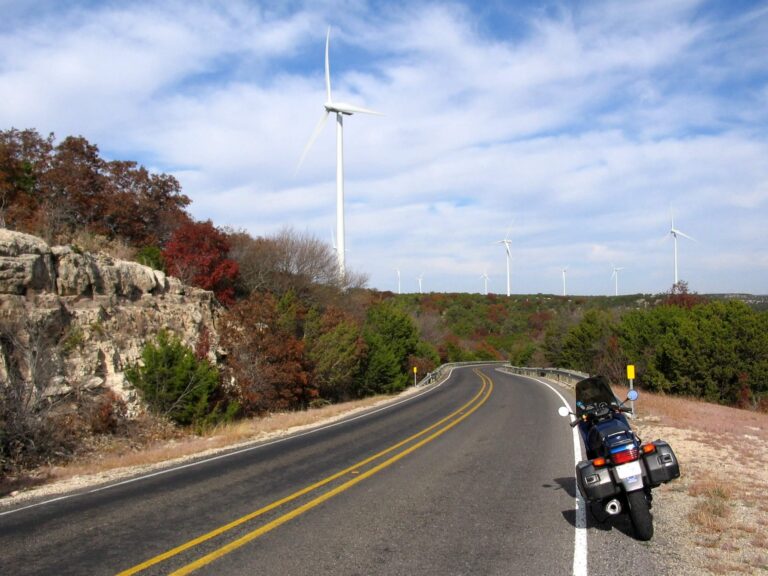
x=173, y=382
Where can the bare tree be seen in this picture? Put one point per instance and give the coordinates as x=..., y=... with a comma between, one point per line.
x=28, y=363
x=289, y=261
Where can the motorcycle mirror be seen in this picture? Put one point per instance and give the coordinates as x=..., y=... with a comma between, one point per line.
x=563, y=411
x=632, y=395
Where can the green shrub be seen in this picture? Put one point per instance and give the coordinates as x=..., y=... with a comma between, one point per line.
x=173, y=382
x=151, y=256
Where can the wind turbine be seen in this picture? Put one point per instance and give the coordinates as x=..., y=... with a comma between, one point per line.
x=484, y=275
x=675, y=233
x=615, y=278
x=420, y=278
x=564, y=271
x=507, y=243
x=398, y=279
x=341, y=109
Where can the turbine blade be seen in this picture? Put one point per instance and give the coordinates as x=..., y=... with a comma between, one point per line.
x=684, y=235
x=327, y=65
x=315, y=134
x=345, y=108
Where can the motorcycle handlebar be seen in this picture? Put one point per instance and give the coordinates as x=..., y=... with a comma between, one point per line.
x=575, y=423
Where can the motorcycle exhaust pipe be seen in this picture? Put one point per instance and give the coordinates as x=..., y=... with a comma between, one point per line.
x=613, y=507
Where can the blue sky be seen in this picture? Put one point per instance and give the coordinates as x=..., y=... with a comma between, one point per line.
x=574, y=127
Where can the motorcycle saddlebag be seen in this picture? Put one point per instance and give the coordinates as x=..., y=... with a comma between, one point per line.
x=594, y=483
x=661, y=466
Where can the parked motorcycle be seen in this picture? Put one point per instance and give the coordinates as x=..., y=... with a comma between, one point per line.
x=621, y=470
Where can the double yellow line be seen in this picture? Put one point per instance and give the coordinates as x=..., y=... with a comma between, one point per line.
x=427, y=435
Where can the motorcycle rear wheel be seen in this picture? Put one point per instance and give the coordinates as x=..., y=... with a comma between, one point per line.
x=640, y=515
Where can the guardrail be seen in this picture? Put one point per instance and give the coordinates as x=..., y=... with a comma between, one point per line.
x=444, y=370
x=561, y=375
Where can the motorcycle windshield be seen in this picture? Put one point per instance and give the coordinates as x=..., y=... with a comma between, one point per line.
x=595, y=390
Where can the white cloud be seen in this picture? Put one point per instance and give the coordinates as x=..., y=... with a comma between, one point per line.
x=581, y=129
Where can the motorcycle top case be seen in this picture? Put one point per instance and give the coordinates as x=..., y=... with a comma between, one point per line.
x=661, y=466
x=594, y=483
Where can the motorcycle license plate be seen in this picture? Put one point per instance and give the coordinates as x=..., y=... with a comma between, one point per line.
x=628, y=470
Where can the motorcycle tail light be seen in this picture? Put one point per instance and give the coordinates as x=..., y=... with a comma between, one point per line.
x=625, y=456
x=648, y=448
x=599, y=462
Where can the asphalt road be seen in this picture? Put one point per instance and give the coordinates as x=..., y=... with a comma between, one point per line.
x=474, y=476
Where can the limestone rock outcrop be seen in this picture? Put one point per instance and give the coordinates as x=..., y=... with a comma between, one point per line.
x=95, y=312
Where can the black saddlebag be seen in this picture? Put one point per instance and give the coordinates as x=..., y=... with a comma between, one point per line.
x=594, y=483
x=661, y=466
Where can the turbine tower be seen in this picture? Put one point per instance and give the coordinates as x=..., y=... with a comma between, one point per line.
x=564, y=271
x=341, y=109
x=398, y=280
x=420, y=277
x=484, y=276
x=507, y=242
x=675, y=233
x=615, y=278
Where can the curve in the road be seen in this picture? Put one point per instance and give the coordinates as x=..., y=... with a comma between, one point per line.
x=400, y=450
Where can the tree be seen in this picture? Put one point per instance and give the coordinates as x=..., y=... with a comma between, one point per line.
x=197, y=255
x=338, y=357
x=266, y=363
x=23, y=156
x=58, y=191
x=591, y=346
x=173, y=382
x=290, y=262
x=391, y=337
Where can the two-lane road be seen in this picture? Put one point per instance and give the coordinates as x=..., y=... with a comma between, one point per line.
x=474, y=476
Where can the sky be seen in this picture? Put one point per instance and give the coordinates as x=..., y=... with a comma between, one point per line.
x=576, y=130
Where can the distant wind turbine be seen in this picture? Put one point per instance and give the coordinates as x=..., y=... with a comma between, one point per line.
x=419, y=278
x=398, y=280
x=675, y=233
x=615, y=278
x=507, y=242
x=484, y=275
x=564, y=271
x=340, y=109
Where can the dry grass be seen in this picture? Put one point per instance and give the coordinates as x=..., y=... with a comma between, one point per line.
x=716, y=514
x=121, y=457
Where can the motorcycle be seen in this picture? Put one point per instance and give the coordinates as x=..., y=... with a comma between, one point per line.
x=620, y=470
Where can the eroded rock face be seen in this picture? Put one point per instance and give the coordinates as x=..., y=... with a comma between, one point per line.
x=103, y=310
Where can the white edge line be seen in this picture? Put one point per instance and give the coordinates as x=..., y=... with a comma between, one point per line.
x=257, y=446
x=580, y=537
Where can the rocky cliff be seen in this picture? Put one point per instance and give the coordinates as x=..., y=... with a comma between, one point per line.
x=86, y=317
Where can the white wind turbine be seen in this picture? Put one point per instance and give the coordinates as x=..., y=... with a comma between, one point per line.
x=398, y=280
x=507, y=242
x=341, y=109
x=675, y=233
x=420, y=277
x=564, y=270
x=484, y=276
x=615, y=278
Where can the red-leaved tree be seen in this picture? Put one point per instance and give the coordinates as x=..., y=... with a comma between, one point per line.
x=197, y=255
x=264, y=360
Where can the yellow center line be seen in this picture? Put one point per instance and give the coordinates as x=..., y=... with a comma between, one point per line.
x=235, y=544
x=269, y=507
